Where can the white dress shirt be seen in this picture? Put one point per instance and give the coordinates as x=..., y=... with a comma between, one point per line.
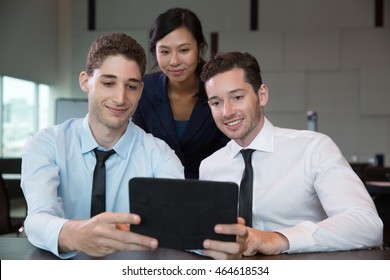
x=57, y=173
x=303, y=188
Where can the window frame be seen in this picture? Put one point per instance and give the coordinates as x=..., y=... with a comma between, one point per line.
x=36, y=122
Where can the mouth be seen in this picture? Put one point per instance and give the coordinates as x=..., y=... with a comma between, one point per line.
x=233, y=123
x=117, y=111
x=176, y=72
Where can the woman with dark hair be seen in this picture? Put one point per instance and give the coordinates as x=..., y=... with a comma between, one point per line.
x=174, y=106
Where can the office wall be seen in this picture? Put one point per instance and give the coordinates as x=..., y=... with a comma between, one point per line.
x=28, y=39
x=323, y=55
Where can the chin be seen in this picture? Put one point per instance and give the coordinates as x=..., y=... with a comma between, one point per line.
x=233, y=135
x=115, y=124
x=229, y=134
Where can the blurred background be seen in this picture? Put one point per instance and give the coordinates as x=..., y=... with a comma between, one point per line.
x=327, y=56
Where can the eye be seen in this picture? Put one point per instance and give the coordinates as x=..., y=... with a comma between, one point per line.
x=108, y=84
x=214, y=103
x=163, y=52
x=132, y=87
x=237, y=97
x=185, y=50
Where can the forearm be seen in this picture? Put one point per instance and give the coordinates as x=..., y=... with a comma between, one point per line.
x=337, y=233
x=43, y=230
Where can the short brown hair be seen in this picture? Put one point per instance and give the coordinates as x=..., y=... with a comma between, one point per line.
x=113, y=44
x=224, y=62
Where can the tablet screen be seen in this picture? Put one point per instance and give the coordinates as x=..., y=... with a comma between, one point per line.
x=182, y=213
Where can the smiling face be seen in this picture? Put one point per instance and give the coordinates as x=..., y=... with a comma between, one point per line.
x=114, y=90
x=177, y=55
x=237, y=109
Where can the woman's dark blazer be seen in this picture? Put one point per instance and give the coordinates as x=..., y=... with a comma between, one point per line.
x=201, y=137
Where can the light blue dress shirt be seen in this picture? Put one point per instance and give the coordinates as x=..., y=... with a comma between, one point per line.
x=57, y=170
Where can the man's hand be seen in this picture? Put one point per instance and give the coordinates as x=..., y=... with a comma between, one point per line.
x=101, y=235
x=267, y=243
x=228, y=250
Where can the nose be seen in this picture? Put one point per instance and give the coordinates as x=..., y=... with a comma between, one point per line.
x=175, y=59
x=120, y=95
x=228, y=109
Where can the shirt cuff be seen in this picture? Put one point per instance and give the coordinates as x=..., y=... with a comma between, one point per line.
x=299, y=237
x=67, y=255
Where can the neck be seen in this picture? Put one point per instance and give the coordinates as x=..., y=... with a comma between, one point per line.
x=190, y=86
x=106, y=136
x=248, y=139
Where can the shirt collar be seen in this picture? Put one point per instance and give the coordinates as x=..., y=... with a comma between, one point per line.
x=264, y=141
x=126, y=142
x=122, y=147
x=88, y=142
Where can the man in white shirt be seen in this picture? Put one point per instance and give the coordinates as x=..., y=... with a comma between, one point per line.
x=306, y=197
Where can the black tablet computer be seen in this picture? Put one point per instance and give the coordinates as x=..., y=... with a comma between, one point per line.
x=182, y=213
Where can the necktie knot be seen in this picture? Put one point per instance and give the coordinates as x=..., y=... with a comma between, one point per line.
x=102, y=156
x=247, y=154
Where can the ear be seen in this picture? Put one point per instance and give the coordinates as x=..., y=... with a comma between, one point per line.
x=83, y=81
x=263, y=95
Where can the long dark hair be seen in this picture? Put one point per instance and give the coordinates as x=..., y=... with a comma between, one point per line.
x=173, y=19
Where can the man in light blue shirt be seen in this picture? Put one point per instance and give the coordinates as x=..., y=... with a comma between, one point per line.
x=58, y=162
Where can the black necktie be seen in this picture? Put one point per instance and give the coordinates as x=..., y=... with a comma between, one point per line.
x=98, y=203
x=246, y=188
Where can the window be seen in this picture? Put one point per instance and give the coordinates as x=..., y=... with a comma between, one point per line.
x=24, y=110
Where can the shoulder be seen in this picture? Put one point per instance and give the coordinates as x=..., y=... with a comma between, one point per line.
x=219, y=156
x=303, y=135
x=216, y=164
x=154, y=85
x=147, y=140
x=66, y=128
x=54, y=136
x=305, y=140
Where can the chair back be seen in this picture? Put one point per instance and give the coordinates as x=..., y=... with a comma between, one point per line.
x=376, y=173
x=10, y=191
x=5, y=222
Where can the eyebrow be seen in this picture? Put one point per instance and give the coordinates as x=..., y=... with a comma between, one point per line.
x=110, y=76
x=181, y=45
x=236, y=90
x=230, y=93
